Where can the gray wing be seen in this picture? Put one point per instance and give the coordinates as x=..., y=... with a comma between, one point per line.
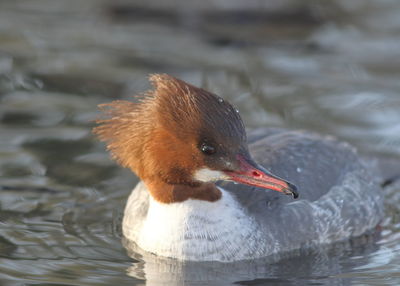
x=338, y=194
x=313, y=163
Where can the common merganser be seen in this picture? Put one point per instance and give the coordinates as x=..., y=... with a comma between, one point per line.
x=180, y=140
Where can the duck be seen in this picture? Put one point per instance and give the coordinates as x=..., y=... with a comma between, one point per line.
x=210, y=191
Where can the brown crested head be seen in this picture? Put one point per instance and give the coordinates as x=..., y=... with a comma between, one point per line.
x=176, y=137
x=172, y=131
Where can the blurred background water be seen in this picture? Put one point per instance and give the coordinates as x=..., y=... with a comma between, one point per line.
x=328, y=66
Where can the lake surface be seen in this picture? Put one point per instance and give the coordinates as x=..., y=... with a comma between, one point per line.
x=327, y=66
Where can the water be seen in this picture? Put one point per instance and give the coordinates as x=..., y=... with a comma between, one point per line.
x=332, y=67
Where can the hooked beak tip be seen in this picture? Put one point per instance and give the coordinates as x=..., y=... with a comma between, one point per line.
x=291, y=190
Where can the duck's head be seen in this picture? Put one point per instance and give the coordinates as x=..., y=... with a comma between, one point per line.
x=179, y=139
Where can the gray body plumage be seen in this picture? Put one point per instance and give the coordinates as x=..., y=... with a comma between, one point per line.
x=339, y=196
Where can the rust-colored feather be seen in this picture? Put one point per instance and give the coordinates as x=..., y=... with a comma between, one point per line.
x=158, y=136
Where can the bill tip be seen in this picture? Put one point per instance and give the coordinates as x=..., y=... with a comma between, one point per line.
x=292, y=190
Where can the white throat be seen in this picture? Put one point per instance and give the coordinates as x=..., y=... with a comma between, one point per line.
x=208, y=175
x=193, y=229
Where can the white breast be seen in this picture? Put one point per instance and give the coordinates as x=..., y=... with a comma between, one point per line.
x=194, y=229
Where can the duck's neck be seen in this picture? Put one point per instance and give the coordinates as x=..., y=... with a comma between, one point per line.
x=193, y=229
x=169, y=193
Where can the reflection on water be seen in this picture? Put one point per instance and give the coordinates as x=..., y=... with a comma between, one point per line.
x=331, y=67
x=324, y=265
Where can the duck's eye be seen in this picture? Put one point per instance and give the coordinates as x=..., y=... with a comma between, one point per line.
x=207, y=149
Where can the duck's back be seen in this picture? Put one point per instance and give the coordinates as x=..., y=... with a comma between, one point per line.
x=339, y=196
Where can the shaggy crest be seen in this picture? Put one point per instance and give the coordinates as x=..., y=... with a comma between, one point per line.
x=172, y=113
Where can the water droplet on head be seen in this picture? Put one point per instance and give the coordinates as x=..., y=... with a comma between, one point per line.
x=220, y=100
x=236, y=110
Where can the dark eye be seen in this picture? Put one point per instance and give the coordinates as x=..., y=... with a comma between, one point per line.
x=207, y=149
